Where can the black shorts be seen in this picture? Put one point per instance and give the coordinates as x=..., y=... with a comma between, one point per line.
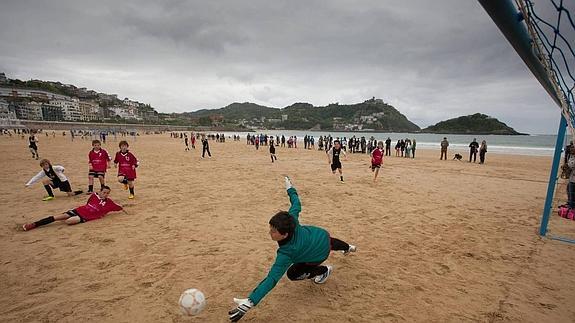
x=374, y=166
x=127, y=178
x=335, y=166
x=63, y=186
x=97, y=174
x=72, y=213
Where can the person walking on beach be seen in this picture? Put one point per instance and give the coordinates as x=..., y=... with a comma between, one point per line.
x=333, y=157
x=205, y=147
x=127, y=164
x=482, y=151
x=413, y=143
x=273, y=151
x=33, y=145
x=376, y=159
x=301, y=251
x=97, y=207
x=473, y=147
x=397, y=148
x=407, y=148
x=186, y=142
x=52, y=177
x=388, y=146
x=193, y=140
x=402, y=147
x=444, y=145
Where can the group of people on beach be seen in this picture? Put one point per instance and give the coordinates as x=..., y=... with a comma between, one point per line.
x=99, y=161
x=302, y=250
x=474, y=148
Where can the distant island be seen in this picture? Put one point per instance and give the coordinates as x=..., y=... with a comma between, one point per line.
x=477, y=124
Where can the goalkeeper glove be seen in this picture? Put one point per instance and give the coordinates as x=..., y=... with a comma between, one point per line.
x=288, y=183
x=244, y=305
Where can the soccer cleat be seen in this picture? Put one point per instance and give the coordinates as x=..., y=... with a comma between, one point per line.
x=28, y=226
x=131, y=197
x=322, y=278
x=125, y=187
x=351, y=249
x=48, y=198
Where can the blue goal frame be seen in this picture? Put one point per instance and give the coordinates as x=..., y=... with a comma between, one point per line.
x=510, y=22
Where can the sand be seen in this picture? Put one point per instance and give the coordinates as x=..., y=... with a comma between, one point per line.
x=438, y=241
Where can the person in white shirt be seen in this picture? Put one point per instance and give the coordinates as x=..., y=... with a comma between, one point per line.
x=52, y=177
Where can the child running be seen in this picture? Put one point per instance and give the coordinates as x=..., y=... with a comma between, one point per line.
x=333, y=158
x=32, y=144
x=273, y=151
x=302, y=250
x=377, y=159
x=97, y=207
x=205, y=147
x=186, y=142
x=52, y=177
x=98, y=159
x=127, y=167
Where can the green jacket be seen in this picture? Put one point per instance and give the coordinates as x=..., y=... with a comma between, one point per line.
x=308, y=244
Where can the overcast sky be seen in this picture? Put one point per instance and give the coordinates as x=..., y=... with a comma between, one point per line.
x=432, y=60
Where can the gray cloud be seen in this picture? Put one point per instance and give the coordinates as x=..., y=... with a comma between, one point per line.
x=432, y=60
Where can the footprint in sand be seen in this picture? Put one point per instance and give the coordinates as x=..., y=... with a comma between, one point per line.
x=441, y=269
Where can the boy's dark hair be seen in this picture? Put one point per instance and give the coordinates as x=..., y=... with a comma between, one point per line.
x=105, y=187
x=122, y=143
x=283, y=222
x=96, y=141
x=336, y=141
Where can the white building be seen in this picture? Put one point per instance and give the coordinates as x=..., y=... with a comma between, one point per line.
x=5, y=113
x=128, y=103
x=34, y=110
x=284, y=117
x=126, y=113
x=70, y=108
x=90, y=111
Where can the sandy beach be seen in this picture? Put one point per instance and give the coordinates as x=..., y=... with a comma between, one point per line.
x=438, y=241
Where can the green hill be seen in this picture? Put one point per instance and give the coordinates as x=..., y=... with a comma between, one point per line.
x=479, y=124
x=372, y=114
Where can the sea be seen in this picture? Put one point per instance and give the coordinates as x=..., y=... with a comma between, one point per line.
x=530, y=145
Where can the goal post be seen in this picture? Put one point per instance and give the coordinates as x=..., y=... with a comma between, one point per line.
x=524, y=30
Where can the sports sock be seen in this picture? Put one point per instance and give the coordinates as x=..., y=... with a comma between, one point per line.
x=44, y=221
x=341, y=178
x=102, y=186
x=90, y=188
x=132, y=190
x=49, y=190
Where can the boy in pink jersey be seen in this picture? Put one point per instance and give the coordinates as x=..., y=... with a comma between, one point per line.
x=377, y=159
x=98, y=159
x=97, y=207
x=126, y=163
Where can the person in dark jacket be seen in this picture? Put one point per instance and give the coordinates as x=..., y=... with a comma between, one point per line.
x=473, y=147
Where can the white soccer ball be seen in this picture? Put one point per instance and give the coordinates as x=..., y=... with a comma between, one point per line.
x=192, y=301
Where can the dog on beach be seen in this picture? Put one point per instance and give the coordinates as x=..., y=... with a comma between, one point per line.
x=458, y=157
